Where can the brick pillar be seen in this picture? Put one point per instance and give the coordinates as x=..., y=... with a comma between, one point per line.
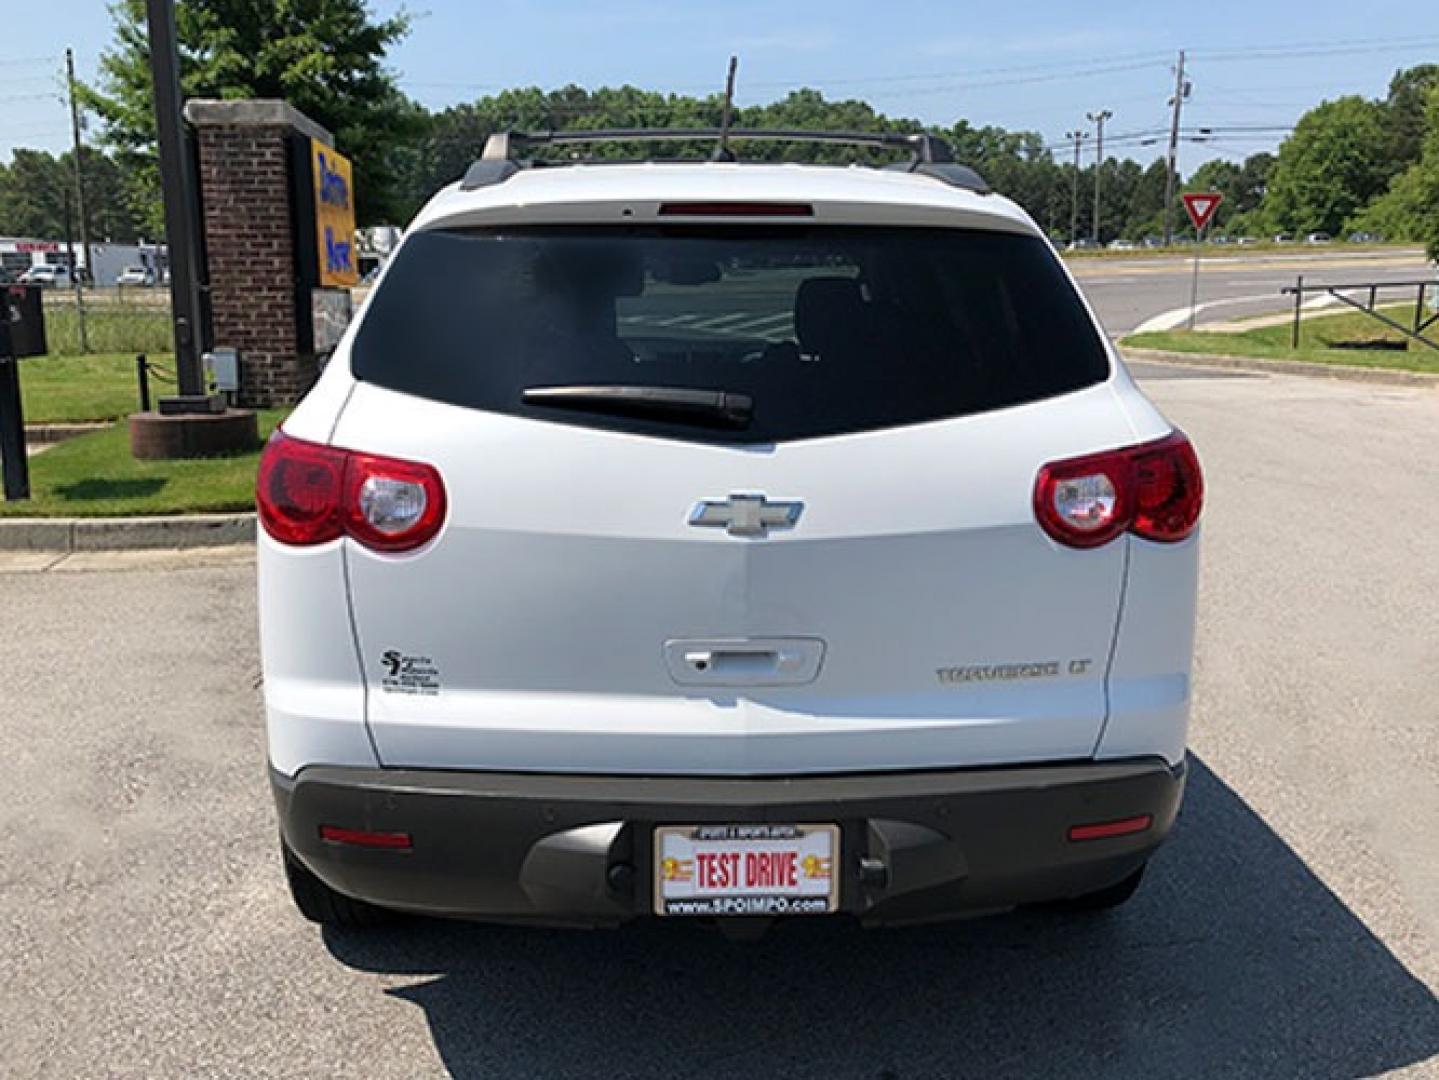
x=246, y=192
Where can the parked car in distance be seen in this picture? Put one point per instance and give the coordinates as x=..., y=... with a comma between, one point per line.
x=802, y=547
x=136, y=277
x=1365, y=238
x=1085, y=243
x=1121, y=245
x=1284, y=238
x=47, y=276
x=1318, y=238
x=1245, y=241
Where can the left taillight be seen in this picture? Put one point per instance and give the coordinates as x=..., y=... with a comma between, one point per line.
x=310, y=494
x=1154, y=490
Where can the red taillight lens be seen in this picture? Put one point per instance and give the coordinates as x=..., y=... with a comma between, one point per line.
x=310, y=494
x=1154, y=490
x=298, y=491
x=1168, y=489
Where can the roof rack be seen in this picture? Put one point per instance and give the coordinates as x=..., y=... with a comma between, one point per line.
x=929, y=154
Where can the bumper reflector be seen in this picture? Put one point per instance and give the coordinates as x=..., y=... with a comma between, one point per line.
x=395, y=841
x=1104, y=829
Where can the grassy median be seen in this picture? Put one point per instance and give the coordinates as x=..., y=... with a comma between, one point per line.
x=71, y=389
x=1349, y=338
x=95, y=476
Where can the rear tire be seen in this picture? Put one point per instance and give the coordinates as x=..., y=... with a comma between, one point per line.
x=1105, y=899
x=321, y=904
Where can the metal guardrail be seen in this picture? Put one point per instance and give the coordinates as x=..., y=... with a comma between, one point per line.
x=1340, y=293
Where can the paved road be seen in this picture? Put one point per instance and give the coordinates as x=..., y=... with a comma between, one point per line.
x=1290, y=929
x=1127, y=292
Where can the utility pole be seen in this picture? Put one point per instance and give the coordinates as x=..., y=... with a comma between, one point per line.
x=1078, y=137
x=723, y=152
x=1181, y=91
x=1098, y=118
x=79, y=202
x=182, y=207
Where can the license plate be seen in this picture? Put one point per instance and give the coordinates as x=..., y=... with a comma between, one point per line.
x=754, y=869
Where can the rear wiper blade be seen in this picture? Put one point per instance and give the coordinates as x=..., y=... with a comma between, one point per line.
x=719, y=408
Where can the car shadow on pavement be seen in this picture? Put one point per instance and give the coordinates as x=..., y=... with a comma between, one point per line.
x=1232, y=960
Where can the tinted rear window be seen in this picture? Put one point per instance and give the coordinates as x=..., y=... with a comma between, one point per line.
x=827, y=329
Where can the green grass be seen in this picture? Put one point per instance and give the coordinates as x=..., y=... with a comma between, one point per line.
x=67, y=389
x=95, y=476
x=109, y=328
x=1319, y=335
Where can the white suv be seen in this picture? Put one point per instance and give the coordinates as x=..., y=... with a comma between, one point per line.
x=724, y=539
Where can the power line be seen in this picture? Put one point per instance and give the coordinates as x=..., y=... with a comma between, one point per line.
x=1314, y=48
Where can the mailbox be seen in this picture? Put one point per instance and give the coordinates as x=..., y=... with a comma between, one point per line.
x=24, y=319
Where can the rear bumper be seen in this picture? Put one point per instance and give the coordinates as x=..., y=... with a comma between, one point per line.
x=577, y=850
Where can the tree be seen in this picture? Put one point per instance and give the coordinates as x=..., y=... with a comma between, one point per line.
x=325, y=57
x=1242, y=185
x=1428, y=180
x=33, y=191
x=1334, y=163
x=114, y=203
x=1404, y=112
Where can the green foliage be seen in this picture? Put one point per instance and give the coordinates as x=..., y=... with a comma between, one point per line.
x=1428, y=181
x=1243, y=187
x=323, y=56
x=1404, y=108
x=36, y=187
x=32, y=195
x=1333, y=164
x=1397, y=215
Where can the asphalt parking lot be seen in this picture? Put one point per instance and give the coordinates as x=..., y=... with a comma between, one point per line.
x=1291, y=928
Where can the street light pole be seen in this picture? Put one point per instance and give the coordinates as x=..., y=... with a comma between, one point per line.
x=182, y=212
x=1098, y=118
x=1078, y=137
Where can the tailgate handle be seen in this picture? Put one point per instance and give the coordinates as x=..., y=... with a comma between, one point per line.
x=745, y=661
x=734, y=662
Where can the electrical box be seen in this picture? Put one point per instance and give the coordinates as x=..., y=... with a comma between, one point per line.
x=24, y=321
x=222, y=371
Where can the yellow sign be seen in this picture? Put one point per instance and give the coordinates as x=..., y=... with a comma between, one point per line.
x=334, y=215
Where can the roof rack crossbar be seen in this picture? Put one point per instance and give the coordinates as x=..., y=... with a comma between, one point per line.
x=926, y=148
x=929, y=154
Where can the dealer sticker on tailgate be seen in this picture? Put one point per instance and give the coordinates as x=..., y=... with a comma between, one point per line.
x=752, y=869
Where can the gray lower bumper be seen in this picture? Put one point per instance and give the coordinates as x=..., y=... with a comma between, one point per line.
x=577, y=850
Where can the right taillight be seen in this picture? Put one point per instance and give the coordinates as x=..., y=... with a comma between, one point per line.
x=310, y=494
x=1154, y=490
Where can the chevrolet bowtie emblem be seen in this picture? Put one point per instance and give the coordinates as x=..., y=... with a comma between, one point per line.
x=746, y=515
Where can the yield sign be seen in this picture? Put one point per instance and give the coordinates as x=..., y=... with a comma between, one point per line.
x=1201, y=206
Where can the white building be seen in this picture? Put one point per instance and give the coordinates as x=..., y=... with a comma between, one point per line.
x=18, y=254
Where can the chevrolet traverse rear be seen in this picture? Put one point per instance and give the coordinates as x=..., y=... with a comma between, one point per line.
x=724, y=539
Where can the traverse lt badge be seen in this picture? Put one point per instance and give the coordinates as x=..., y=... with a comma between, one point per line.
x=746, y=514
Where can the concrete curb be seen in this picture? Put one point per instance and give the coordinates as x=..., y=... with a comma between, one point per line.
x=53, y=433
x=126, y=534
x=1380, y=376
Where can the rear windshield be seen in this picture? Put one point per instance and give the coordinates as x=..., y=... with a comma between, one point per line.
x=822, y=330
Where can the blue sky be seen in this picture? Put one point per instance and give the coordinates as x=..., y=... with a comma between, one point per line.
x=1037, y=65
